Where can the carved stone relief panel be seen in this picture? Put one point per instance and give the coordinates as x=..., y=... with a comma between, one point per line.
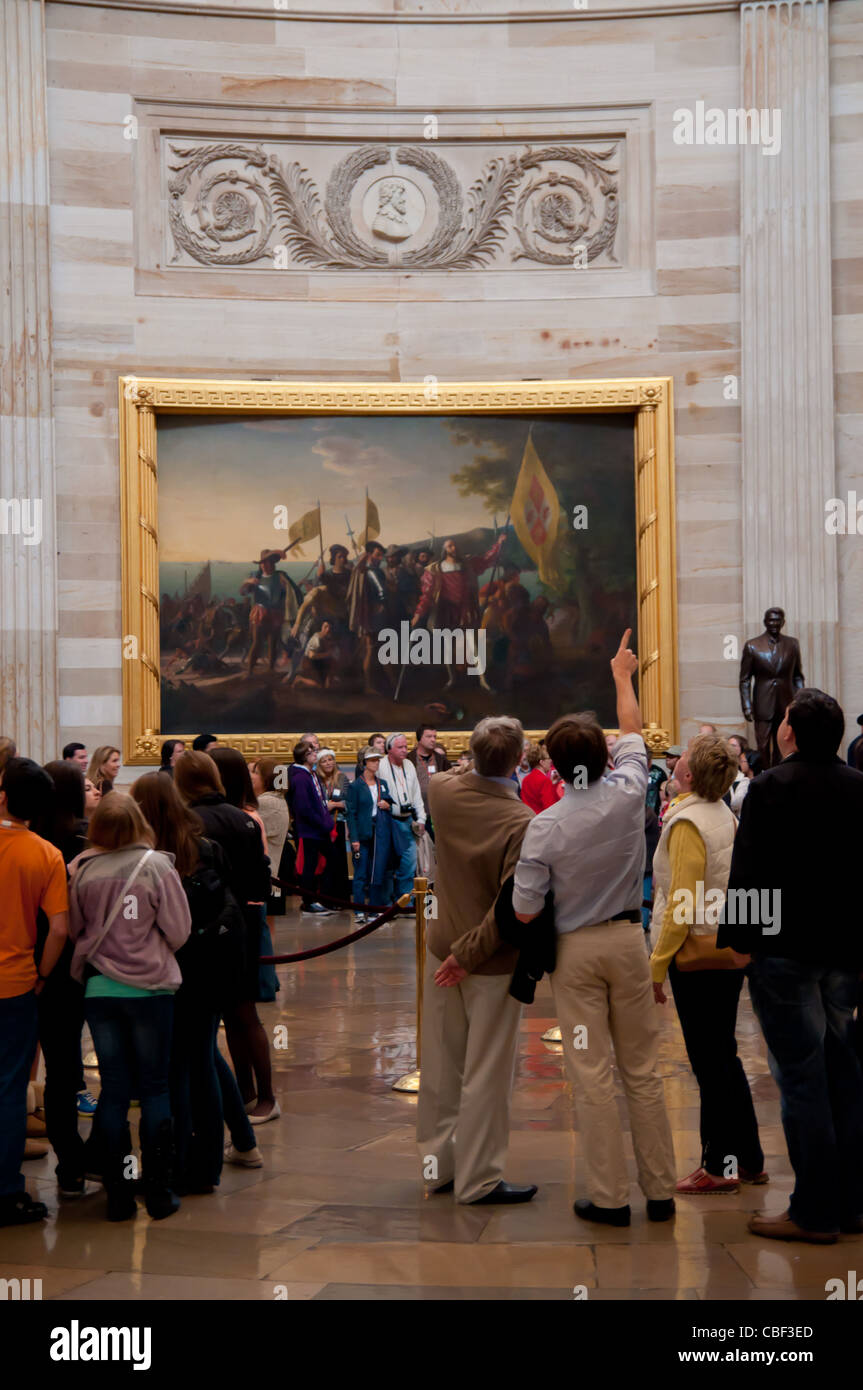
x=379, y=206
x=237, y=204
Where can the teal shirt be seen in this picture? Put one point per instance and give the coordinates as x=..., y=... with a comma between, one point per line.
x=101, y=987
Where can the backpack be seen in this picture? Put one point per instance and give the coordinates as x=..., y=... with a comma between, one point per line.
x=213, y=959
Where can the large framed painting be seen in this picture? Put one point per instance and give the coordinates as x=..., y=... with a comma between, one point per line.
x=352, y=558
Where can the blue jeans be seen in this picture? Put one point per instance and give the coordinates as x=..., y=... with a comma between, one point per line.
x=362, y=869
x=132, y=1038
x=18, y=1033
x=239, y=1128
x=404, y=853
x=805, y=1012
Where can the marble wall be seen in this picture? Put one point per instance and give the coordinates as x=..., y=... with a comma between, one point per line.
x=846, y=179
x=684, y=320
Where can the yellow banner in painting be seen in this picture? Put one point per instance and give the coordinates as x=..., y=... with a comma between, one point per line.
x=372, y=528
x=536, y=514
x=308, y=526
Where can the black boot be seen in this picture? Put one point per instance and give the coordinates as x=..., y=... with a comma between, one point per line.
x=158, y=1173
x=119, y=1187
x=93, y=1158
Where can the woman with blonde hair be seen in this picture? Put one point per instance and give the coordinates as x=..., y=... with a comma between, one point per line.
x=104, y=766
x=334, y=785
x=690, y=877
x=128, y=916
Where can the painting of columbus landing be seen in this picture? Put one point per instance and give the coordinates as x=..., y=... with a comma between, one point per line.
x=371, y=572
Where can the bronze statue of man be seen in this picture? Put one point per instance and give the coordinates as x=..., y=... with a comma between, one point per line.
x=770, y=672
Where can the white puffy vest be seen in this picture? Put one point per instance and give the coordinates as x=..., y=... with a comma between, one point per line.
x=716, y=825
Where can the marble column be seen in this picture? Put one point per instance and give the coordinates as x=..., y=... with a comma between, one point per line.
x=28, y=547
x=789, y=474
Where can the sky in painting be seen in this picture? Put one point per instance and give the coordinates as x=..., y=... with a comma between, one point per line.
x=221, y=478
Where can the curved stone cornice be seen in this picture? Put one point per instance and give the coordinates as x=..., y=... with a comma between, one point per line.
x=422, y=11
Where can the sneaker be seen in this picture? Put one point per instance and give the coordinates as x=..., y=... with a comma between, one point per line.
x=244, y=1158
x=360, y=919
x=86, y=1105
x=319, y=907
x=70, y=1186
x=702, y=1184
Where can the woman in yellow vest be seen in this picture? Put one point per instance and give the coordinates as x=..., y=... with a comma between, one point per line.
x=690, y=877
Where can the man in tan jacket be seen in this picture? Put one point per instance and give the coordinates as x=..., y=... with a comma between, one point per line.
x=470, y=1020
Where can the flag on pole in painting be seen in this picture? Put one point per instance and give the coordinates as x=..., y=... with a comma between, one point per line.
x=536, y=514
x=308, y=526
x=372, y=528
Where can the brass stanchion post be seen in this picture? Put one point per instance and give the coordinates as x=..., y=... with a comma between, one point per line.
x=410, y=1084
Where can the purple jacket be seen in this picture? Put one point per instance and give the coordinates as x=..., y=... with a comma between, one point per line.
x=312, y=820
x=151, y=925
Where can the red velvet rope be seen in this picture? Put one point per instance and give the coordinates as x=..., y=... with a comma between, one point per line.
x=386, y=914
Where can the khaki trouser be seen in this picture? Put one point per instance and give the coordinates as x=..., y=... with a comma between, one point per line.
x=602, y=983
x=469, y=1040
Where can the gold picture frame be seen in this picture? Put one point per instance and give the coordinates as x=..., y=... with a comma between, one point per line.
x=142, y=399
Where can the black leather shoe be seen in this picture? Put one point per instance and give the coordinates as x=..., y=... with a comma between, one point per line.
x=447, y=1187
x=608, y=1216
x=660, y=1209
x=505, y=1192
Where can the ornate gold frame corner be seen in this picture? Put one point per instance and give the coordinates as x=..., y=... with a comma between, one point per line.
x=142, y=399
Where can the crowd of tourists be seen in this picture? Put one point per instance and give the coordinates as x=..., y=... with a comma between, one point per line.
x=144, y=914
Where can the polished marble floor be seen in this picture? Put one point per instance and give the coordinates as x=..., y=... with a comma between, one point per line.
x=337, y=1212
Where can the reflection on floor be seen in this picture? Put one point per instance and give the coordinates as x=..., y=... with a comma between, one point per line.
x=337, y=1211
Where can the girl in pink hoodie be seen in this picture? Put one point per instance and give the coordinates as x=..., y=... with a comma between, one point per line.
x=128, y=915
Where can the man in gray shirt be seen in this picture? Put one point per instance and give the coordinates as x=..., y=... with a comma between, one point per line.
x=589, y=850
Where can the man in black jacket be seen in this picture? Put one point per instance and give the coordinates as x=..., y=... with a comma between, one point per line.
x=793, y=909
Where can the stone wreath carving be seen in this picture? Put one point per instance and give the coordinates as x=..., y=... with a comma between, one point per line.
x=231, y=204
x=564, y=207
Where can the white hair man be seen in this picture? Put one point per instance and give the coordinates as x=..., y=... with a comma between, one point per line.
x=407, y=818
x=470, y=1018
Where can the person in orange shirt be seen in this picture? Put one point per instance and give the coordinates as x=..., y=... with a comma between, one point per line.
x=32, y=876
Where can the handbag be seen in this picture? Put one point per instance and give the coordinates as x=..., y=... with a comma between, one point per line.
x=700, y=952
